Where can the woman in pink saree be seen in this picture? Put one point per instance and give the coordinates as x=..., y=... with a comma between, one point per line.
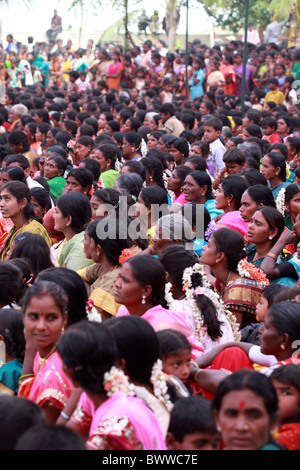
x=44, y=317
x=140, y=290
x=108, y=413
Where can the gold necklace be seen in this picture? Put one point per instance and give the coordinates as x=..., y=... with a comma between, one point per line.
x=42, y=360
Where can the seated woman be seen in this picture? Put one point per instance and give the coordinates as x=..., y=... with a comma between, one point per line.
x=239, y=284
x=112, y=417
x=278, y=334
x=274, y=170
x=197, y=187
x=241, y=392
x=79, y=180
x=228, y=198
x=15, y=204
x=189, y=292
x=71, y=216
x=152, y=204
x=264, y=230
x=26, y=246
x=54, y=170
x=253, y=198
x=106, y=254
x=287, y=272
x=175, y=183
x=141, y=292
x=107, y=156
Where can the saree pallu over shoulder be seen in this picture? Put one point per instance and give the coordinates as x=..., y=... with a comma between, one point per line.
x=103, y=290
x=51, y=386
x=242, y=295
x=33, y=226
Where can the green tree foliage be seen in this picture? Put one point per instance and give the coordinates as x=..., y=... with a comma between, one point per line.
x=230, y=14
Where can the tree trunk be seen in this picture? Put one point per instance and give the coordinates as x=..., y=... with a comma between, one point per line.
x=81, y=22
x=172, y=21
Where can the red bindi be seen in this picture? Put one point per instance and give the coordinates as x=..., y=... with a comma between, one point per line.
x=242, y=405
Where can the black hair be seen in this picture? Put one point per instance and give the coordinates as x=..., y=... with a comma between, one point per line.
x=175, y=260
x=27, y=245
x=41, y=288
x=112, y=246
x=15, y=173
x=154, y=276
x=234, y=155
x=155, y=169
x=77, y=206
x=234, y=185
x=203, y=179
x=232, y=244
x=131, y=333
x=83, y=176
x=261, y=194
x=286, y=318
x=93, y=166
x=109, y=152
x=50, y=437
x=274, y=218
x=89, y=349
x=252, y=380
x=74, y=287
x=17, y=410
x=189, y=415
x=18, y=137
x=253, y=176
x=21, y=191
x=12, y=330
x=287, y=374
x=42, y=197
x=171, y=342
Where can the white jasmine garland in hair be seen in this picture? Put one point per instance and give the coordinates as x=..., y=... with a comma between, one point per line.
x=205, y=289
x=92, y=313
x=116, y=381
x=280, y=201
x=160, y=388
x=144, y=148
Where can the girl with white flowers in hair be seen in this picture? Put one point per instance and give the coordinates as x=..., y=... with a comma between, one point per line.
x=108, y=414
x=140, y=290
x=189, y=292
x=144, y=365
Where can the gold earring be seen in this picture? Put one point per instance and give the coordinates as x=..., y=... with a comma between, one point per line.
x=282, y=347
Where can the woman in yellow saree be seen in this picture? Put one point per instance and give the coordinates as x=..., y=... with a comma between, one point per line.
x=15, y=204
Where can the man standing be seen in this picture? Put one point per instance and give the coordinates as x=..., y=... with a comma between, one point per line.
x=252, y=35
x=56, y=27
x=273, y=32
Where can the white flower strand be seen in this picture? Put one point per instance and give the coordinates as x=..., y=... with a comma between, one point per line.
x=116, y=381
x=159, y=382
x=204, y=290
x=280, y=201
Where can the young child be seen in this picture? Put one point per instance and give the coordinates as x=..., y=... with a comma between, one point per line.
x=166, y=95
x=274, y=94
x=267, y=299
x=175, y=352
x=140, y=81
x=83, y=83
x=269, y=127
x=286, y=380
x=212, y=132
x=192, y=426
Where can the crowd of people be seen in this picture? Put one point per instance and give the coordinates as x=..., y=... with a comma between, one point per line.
x=149, y=247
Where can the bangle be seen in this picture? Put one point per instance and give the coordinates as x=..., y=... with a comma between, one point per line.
x=64, y=415
x=195, y=376
x=271, y=255
x=193, y=363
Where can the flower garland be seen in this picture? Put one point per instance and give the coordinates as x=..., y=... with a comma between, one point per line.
x=91, y=311
x=125, y=255
x=205, y=289
x=246, y=269
x=280, y=201
x=210, y=230
x=159, y=381
x=116, y=381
